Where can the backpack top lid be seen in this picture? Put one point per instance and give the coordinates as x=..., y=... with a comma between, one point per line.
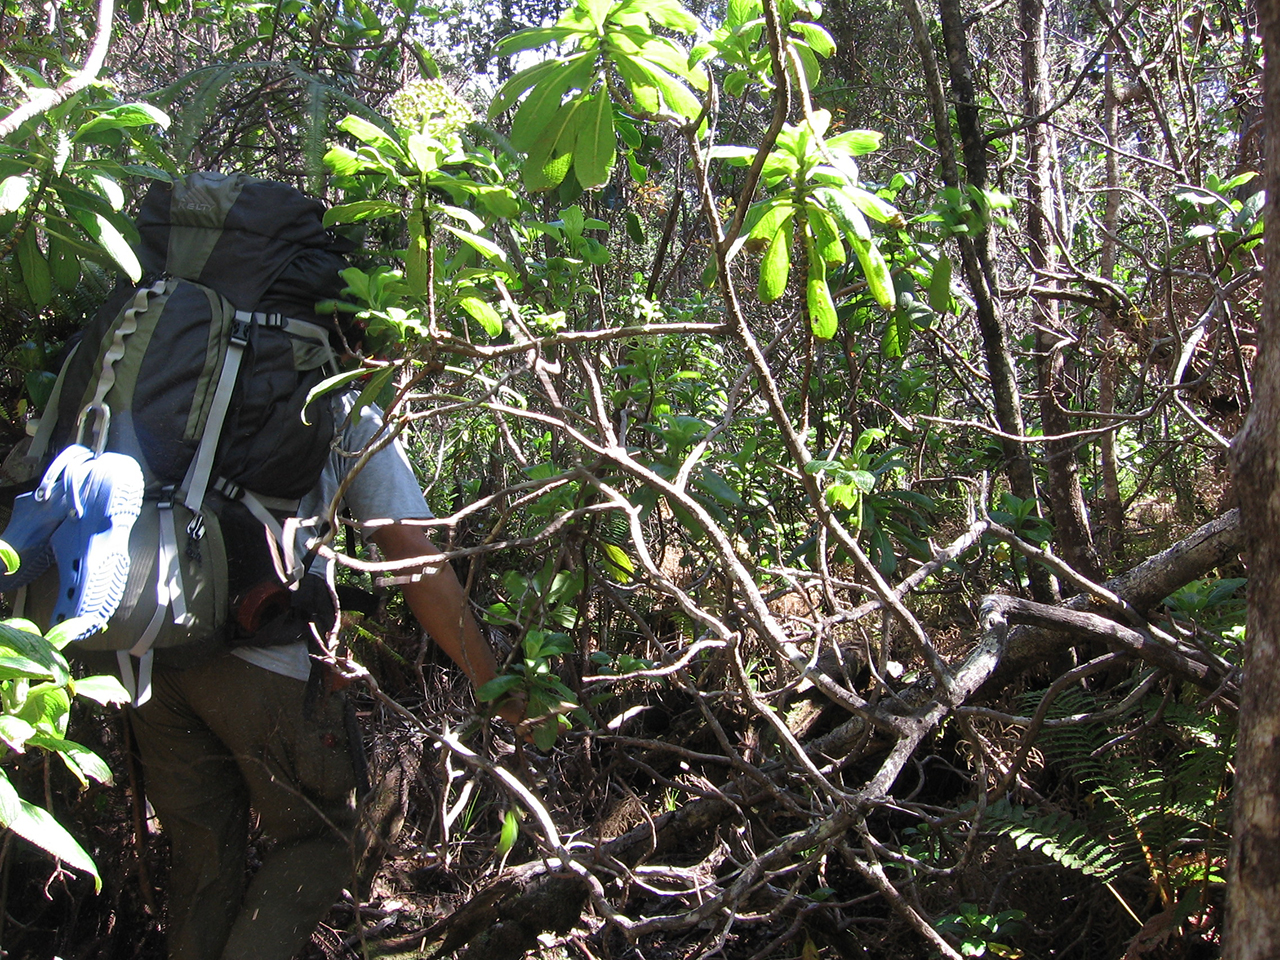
x=261, y=244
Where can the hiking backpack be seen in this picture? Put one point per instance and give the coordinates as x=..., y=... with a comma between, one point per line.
x=201, y=375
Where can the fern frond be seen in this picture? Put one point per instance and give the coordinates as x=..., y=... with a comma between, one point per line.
x=1058, y=836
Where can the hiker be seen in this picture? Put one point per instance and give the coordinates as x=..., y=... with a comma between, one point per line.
x=238, y=731
x=186, y=463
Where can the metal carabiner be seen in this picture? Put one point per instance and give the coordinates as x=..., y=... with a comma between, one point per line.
x=100, y=427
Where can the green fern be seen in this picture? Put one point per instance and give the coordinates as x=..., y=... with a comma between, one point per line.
x=1158, y=796
x=1058, y=836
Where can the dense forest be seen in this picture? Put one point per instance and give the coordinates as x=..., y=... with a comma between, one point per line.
x=828, y=407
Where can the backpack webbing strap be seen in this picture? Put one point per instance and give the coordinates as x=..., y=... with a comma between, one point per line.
x=285, y=556
x=44, y=429
x=138, y=687
x=200, y=474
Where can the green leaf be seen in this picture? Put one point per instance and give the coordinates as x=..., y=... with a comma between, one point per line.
x=617, y=559
x=14, y=192
x=510, y=91
x=822, y=309
x=373, y=135
x=816, y=37
x=101, y=688
x=38, y=826
x=596, y=146
x=509, y=833
x=84, y=764
x=125, y=115
x=940, y=285
x=110, y=239
x=60, y=634
x=879, y=280
x=716, y=485
x=484, y=313
x=482, y=245
x=549, y=159
x=775, y=267
x=498, y=687
x=856, y=142
x=535, y=118
x=361, y=210
x=9, y=557
x=64, y=265
x=24, y=653
x=47, y=708
x=15, y=733
x=776, y=216
x=531, y=38
x=35, y=269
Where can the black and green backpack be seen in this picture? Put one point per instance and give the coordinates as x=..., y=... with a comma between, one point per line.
x=201, y=374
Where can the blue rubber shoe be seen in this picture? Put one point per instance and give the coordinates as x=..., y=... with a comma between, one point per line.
x=38, y=514
x=91, y=547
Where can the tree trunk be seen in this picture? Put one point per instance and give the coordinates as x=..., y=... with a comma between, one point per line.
x=1074, y=542
x=975, y=253
x=1253, y=922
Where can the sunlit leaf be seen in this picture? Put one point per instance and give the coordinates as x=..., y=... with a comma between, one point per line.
x=775, y=267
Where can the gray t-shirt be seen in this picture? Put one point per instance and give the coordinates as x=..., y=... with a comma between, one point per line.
x=384, y=489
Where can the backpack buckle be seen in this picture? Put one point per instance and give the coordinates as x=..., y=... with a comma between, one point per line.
x=99, y=426
x=241, y=324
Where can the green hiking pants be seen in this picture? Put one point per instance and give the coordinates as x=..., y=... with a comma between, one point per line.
x=216, y=740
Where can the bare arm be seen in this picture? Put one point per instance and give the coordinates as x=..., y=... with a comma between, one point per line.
x=440, y=605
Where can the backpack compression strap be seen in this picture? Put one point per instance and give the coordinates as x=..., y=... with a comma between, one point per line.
x=196, y=483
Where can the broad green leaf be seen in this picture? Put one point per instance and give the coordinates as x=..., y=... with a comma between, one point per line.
x=484, y=313
x=372, y=134
x=125, y=115
x=530, y=39
x=549, y=160
x=27, y=654
x=110, y=239
x=840, y=205
x=14, y=192
x=897, y=334
x=716, y=485
x=109, y=189
x=15, y=733
x=940, y=285
x=344, y=162
x=472, y=221
x=35, y=269
x=47, y=708
x=509, y=833
x=101, y=688
x=595, y=149
x=879, y=280
x=511, y=91
x=535, y=118
x=679, y=99
x=776, y=216
x=617, y=558
x=38, y=826
x=485, y=247
x=826, y=236
x=60, y=634
x=64, y=265
x=775, y=267
x=373, y=389
x=424, y=153
x=874, y=207
x=360, y=210
x=816, y=37
x=498, y=687
x=84, y=764
x=822, y=309
x=9, y=557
